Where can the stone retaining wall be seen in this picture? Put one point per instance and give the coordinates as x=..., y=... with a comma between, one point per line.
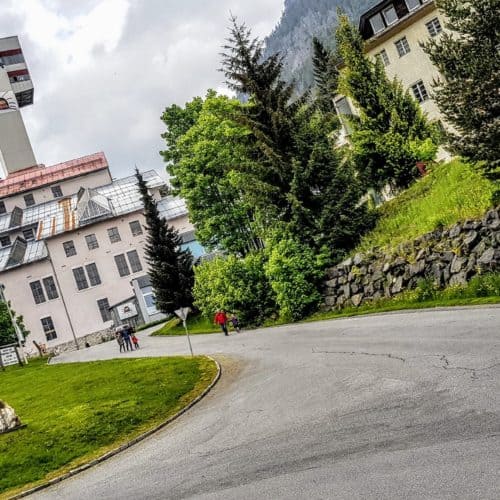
x=447, y=257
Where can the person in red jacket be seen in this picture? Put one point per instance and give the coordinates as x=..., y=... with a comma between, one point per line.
x=221, y=320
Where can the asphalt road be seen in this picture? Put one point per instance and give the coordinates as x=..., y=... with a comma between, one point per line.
x=400, y=405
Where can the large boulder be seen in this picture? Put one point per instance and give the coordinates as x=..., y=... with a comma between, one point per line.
x=8, y=418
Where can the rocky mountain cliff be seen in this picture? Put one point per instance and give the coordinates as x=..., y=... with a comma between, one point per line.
x=300, y=22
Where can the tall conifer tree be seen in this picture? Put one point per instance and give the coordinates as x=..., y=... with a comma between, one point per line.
x=298, y=170
x=170, y=267
x=326, y=76
x=468, y=94
x=389, y=118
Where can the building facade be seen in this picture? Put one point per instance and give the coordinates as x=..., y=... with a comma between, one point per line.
x=393, y=31
x=72, y=239
x=16, y=91
x=66, y=261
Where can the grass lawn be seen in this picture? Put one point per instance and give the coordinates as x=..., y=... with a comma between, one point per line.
x=76, y=412
x=196, y=325
x=450, y=193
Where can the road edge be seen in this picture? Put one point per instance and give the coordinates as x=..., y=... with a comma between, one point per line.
x=123, y=446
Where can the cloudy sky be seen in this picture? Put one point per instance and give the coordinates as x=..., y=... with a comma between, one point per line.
x=104, y=70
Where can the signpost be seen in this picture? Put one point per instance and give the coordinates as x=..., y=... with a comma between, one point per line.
x=182, y=313
x=9, y=355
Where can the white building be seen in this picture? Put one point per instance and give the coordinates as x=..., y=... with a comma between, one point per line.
x=71, y=237
x=393, y=31
x=73, y=245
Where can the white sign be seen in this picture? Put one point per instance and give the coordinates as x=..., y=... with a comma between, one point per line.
x=9, y=356
x=127, y=310
x=183, y=312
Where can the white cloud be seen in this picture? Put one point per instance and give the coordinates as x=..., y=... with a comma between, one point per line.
x=104, y=70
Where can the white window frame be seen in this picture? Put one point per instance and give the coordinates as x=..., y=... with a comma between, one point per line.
x=432, y=27
x=387, y=9
x=414, y=8
x=100, y=312
x=45, y=288
x=84, y=267
x=418, y=85
x=404, y=44
x=74, y=248
x=53, y=328
x=384, y=57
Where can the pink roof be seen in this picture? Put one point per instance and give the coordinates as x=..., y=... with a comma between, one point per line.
x=40, y=175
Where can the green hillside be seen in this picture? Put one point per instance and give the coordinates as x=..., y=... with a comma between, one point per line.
x=451, y=192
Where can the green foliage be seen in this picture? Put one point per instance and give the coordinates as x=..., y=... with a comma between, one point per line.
x=235, y=284
x=210, y=156
x=178, y=121
x=449, y=193
x=298, y=172
x=326, y=76
x=423, y=150
x=426, y=290
x=294, y=272
x=170, y=267
x=7, y=331
x=78, y=411
x=467, y=95
x=389, y=121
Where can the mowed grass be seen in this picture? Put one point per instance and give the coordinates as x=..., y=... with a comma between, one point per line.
x=78, y=411
x=197, y=325
x=450, y=193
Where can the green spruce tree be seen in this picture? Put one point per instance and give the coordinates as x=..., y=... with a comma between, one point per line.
x=389, y=120
x=468, y=93
x=170, y=267
x=296, y=166
x=326, y=76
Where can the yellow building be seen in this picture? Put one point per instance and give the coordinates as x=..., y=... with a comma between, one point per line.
x=393, y=31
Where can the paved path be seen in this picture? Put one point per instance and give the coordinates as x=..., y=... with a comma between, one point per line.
x=392, y=406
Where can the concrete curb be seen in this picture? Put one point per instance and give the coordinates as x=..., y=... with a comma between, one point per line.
x=124, y=446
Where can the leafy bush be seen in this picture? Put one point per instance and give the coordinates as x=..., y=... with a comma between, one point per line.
x=236, y=285
x=294, y=272
x=486, y=285
x=424, y=150
x=426, y=290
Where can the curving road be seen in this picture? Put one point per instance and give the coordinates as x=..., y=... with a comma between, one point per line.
x=402, y=405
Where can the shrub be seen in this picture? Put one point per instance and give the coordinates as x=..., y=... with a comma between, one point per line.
x=294, y=272
x=426, y=290
x=486, y=285
x=236, y=285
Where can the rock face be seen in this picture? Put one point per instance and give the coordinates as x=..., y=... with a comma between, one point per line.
x=447, y=257
x=8, y=418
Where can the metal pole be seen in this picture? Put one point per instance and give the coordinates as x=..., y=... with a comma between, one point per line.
x=62, y=297
x=187, y=333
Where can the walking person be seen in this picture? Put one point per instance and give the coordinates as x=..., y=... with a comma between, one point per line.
x=126, y=337
x=221, y=320
x=135, y=340
x=235, y=322
x=119, y=339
